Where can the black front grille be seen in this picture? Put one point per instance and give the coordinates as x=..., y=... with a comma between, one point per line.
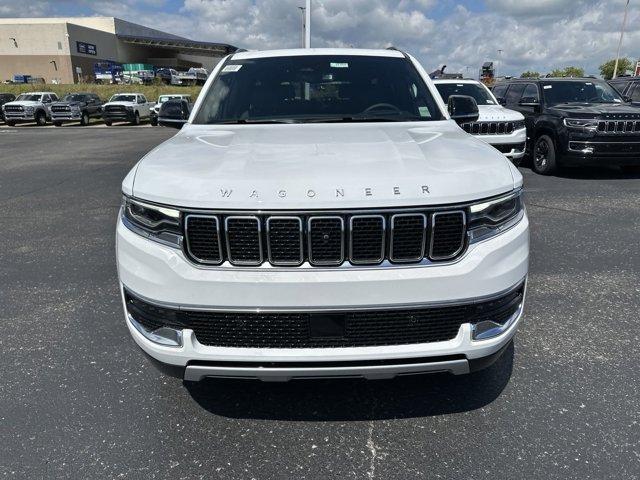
x=488, y=128
x=367, y=239
x=285, y=241
x=447, y=239
x=115, y=109
x=244, y=240
x=326, y=240
x=361, y=239
x=13, y=108
x=619, y=127
x=203, y=239
x=292, y=330
x=60, y=108
x=408, y=233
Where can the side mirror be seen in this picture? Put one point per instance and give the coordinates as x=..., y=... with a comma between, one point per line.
x=463, y=108
x=174, y=113
x=529, y=102
x=501, y=100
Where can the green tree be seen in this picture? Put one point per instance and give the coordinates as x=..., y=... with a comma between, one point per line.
x=624, y=64
x=530, y=74
x=567, y=72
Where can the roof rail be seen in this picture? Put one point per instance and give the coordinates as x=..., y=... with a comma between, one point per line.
x=398, y=50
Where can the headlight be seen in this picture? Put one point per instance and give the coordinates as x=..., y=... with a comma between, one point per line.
x=154, y=222
x=588, y=124
x=518, y=125
x=75, y=107
x=492, y=217
x=29, y=109
x=130, y=108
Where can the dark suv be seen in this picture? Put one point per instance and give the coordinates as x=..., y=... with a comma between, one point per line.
x=5, y=98
x=574, y=121
x=629, y=88
x=76, y=107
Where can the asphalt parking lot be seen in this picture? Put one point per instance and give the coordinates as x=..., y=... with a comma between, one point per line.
x=78, y=399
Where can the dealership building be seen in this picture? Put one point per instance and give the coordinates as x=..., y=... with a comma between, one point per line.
x=64, y=50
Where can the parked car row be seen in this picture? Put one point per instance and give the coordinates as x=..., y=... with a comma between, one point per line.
x=43, y=107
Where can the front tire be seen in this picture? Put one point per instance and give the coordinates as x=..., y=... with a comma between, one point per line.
x=544, y=155
x=108, y=123
x=41, y=119
x=154, y=121
x=84, y=120
x=57, y=124
x=630, y=169
x=136, y=119
x=10, y=123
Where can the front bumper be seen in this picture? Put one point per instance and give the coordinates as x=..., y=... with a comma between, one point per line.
x=162, y=275
x=512, y=146
x=602, y=151
x=128, y=116
x=72, y=116
x=19, y=117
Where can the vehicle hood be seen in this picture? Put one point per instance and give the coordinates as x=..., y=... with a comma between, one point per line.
x=321, y=166
x=124, y=104
x=497, y=113
x=596, y=110
x=24, y=103
x=68, y=104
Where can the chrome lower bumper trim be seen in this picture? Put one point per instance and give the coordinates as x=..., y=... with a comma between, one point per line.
x=195, y=373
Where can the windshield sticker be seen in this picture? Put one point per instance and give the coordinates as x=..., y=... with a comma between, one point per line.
x=588, y=83
x=424, y=111
x=490, y=102
x=547, y=87
x=338, y=65
x=231, y=68
x=617, y=100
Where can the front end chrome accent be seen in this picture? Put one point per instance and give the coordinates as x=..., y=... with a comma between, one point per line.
x=168, y=337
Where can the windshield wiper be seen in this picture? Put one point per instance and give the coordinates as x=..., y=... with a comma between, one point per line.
x=358, y=119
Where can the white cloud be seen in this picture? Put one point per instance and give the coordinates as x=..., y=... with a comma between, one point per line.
x=533, y=34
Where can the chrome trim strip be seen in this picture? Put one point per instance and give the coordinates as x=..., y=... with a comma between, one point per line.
x=369, y=261
x=186, y=234
x=301, y=242
x=226, y=235
x=424, y=237
x=195, y=373
x=342, y=308
x=309, y=230
x=462, y=237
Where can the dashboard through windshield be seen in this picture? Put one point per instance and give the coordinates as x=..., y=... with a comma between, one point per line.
x=318, y=88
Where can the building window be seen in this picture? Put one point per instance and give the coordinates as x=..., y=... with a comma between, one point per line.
x=59, y=45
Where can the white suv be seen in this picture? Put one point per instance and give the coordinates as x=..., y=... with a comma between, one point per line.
x=500, y=127
x=322, y=214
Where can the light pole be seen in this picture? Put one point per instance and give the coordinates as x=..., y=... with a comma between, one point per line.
x=303, y=36
x=307, y=25
x=624, y=24
x=495, y=73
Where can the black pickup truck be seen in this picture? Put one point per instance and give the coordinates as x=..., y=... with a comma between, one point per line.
x=5, y=98
x=574, y=121
x=76, y=107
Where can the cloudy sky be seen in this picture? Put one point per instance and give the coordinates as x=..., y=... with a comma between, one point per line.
x=533, y=34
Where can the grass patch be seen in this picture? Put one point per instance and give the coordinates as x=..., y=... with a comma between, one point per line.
x=152, y=92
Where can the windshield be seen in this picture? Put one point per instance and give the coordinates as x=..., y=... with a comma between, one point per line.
x=74, y=98
x=480, y=93
x=581, y=92
x=123, y=98
x=318, y=88
x=25, y=97
x=164, y=98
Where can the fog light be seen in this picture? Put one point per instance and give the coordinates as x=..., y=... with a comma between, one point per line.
x=166, y=336
x=488, y=328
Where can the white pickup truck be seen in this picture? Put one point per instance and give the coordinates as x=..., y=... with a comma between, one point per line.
x=29, y=107
x=321, y=213
x=127, y=107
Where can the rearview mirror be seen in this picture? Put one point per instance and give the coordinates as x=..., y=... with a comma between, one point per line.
x=463, y=108
x=174, y=113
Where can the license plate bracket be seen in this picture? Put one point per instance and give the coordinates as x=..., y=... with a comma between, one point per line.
x=327, y=325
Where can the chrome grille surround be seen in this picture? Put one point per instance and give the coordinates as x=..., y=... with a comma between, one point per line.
x=324, y=238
